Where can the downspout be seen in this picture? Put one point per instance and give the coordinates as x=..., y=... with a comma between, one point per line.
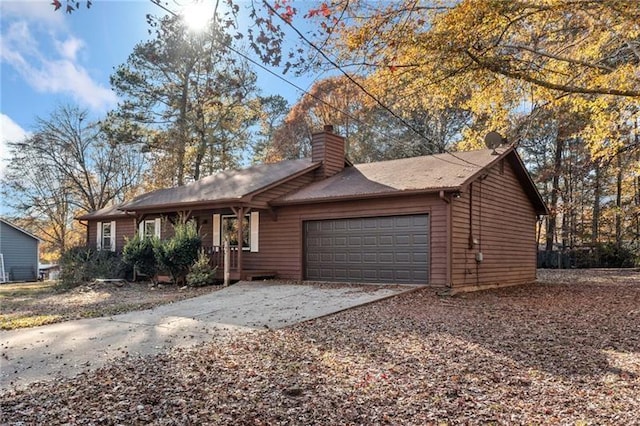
x=449, y=263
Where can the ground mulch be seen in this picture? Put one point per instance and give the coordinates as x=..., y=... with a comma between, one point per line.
x=565, y=350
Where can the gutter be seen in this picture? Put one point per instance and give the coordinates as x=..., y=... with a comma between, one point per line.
x=399, y=193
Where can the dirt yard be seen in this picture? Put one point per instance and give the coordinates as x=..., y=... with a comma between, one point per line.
x=38, y=303
x=563, y=351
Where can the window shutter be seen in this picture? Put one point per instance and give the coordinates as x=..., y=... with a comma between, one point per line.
x=255, y=226
x=158, y=224
x=216, y=230
x=99, y=236
x=113, y=235
x=141, y=229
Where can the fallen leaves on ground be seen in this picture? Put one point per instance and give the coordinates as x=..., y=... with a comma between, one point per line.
x=33, y=304
x=563, y=351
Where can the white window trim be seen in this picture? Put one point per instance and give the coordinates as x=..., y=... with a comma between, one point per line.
x=254, y=228
x=157, y=224
x=100, y=236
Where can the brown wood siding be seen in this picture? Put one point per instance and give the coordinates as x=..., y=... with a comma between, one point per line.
x=503, y=221
x=125, y=227
x=328, y=148
x=281, y=238
x=204, y=219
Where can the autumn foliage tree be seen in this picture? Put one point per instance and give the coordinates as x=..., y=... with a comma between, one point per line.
x=66, y=168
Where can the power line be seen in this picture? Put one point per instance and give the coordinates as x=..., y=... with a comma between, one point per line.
x=360, y=86
x=261, y=66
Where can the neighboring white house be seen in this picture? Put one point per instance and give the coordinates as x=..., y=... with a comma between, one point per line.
x=18, y=253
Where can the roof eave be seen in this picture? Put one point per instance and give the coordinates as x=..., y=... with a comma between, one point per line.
x=88, y=216
x=533, y=192
x=184, y=205
x=398, y=193
x=490, y=164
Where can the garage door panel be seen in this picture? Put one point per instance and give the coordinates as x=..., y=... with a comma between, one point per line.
x=369, y=257
x=382, y=249
x=355, y=241
x=419, y=239
x=370, y=240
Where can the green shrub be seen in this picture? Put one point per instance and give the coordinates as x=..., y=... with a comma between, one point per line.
x=79, y=265
x=139, y=254
x=177, y=254
x=201, y=272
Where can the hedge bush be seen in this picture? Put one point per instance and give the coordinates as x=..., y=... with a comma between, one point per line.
x=139, y=254
x=177, y=254
x=201, y=273
x=80, y=265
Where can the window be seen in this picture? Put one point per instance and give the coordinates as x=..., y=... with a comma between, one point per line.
x=230, y=231
x=106, y=236
x=226, y=227
x=150, y=228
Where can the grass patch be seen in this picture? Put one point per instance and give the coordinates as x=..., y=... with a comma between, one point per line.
x=33, y=289
x=9, y=323
x=38, y=303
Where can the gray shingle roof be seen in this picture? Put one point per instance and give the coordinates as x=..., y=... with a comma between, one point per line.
x=426, y=173
x=109, y=212
x=227, y=185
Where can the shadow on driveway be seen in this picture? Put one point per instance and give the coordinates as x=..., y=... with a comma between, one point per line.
x=65, y=349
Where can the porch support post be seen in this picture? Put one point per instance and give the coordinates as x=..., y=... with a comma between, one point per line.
x=227, y=258
x=239, y=212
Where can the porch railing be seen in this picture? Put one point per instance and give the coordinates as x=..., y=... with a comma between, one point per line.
x=216, y=256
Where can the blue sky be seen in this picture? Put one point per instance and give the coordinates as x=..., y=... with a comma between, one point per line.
x=51, y=58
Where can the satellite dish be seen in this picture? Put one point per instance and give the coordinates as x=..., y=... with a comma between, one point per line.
x=493, y=140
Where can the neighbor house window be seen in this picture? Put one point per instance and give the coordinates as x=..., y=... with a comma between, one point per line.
x=106, y=236
x=225, y=227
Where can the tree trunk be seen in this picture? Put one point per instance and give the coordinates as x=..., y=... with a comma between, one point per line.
x=619, y=203
x=555, y=191
x=595, y=221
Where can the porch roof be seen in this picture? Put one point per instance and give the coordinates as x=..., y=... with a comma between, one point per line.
x=109, y=212
x=230, y=185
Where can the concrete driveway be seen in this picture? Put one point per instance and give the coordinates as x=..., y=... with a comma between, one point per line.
x=65, y=349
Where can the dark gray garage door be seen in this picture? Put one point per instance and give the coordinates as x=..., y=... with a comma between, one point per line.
x=390, y=249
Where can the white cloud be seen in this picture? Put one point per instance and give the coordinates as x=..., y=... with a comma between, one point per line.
x=69, y=48
x=36, y=11
x=53, y=71
x=10, y=131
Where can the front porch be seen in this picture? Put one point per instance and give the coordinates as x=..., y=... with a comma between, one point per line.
x=216, y=254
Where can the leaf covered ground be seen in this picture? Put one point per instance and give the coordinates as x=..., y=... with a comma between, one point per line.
x=563, y=351
x=33, y=304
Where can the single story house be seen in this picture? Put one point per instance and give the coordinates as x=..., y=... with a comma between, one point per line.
x=465, y=220
x=18, y=253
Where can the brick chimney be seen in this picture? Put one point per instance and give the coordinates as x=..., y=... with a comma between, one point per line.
x=328, y=148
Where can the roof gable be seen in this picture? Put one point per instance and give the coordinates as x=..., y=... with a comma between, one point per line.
x=17, y=228
x=431, y=173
